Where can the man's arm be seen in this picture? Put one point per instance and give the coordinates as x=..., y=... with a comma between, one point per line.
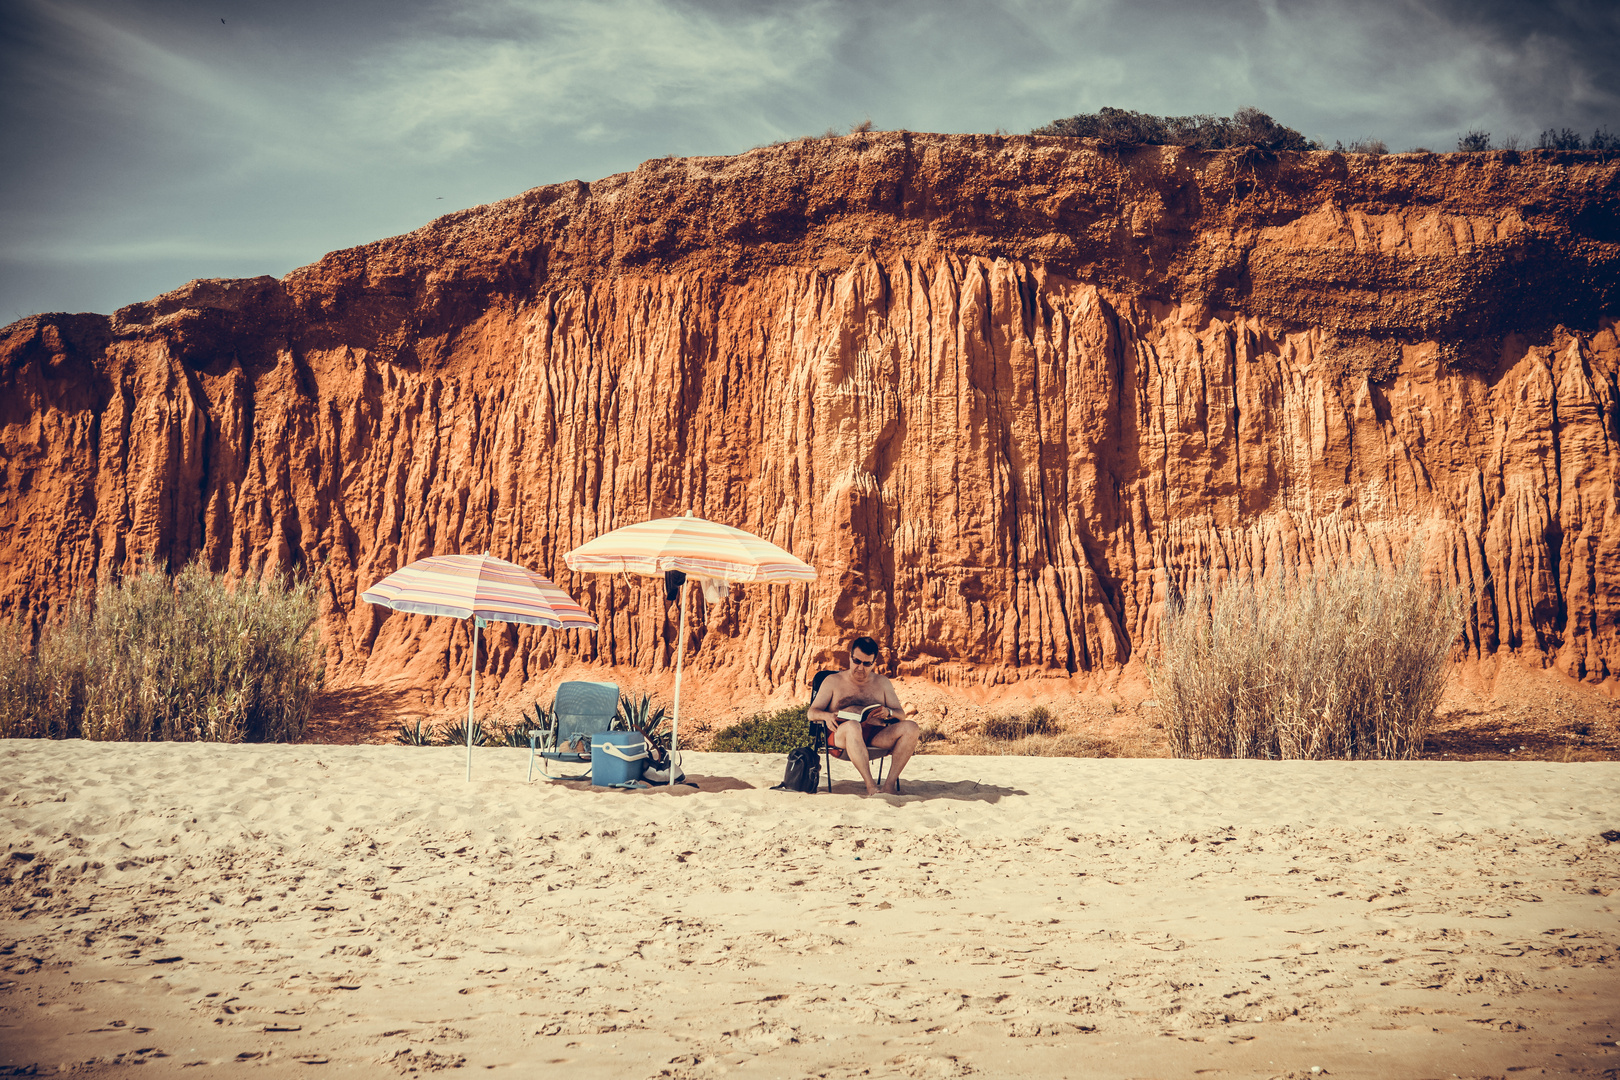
x=821, y=707
x=891, y=700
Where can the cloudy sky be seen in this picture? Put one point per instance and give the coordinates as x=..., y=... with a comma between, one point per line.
x=154, y=141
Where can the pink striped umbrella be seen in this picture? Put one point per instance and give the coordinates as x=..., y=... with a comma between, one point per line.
x=481, y=588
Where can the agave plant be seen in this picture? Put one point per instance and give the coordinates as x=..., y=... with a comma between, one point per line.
x=457, y=736
x=539, y=720
x=417, y=734
x=643, y=717
x=514, y=735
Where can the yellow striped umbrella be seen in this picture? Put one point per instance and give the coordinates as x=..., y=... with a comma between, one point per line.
x=695, y=546
x=481, y=588
x=691, y=545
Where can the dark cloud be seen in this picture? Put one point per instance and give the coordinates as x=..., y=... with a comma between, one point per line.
x=152, y=143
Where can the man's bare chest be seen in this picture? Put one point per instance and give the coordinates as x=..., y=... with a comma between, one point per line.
x=846, y=695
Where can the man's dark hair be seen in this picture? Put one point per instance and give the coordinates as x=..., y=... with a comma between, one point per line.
x=865, y=645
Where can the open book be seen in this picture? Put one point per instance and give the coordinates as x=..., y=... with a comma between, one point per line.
x=866, y=714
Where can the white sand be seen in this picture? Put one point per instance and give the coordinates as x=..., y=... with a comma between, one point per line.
x=363, y=907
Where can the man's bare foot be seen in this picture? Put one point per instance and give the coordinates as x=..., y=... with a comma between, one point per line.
x=872, y=789
x=890, y=787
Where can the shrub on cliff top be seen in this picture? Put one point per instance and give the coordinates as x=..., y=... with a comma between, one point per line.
x=1368, y=145
x=1602, y=140
x=187, y=658
x=1124, y=127
x=1348, y=666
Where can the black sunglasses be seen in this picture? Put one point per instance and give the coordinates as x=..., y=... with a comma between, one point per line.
x=863, y=663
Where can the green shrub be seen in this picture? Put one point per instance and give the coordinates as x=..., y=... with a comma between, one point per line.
x=1474, y=142
x=766, y=733
x=187, y=658
x=1124, y=127
x=1559, y=139
x=1602, y=141
x=1351, y=665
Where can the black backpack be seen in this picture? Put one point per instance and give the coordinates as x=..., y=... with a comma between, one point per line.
x=803, y=771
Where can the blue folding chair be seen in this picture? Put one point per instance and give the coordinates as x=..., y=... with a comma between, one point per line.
x=580, y=710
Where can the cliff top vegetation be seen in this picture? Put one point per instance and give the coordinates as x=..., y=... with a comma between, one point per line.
x=1125, y=127
x=1251, y=127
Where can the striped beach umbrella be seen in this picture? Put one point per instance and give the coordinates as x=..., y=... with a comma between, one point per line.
x=691, y=545
x=481, y=588
x=695, y=546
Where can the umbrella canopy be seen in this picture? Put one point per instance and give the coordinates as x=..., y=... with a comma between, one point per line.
x=478, y=586
x=481, y=588
x=693, y=546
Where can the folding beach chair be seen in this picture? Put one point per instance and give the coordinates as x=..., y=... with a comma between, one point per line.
x=581, y=709
x=818, y=737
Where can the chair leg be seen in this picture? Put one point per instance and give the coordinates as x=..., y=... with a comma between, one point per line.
x=545, y=771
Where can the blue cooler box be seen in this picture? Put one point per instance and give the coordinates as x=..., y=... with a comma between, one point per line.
x=617, y=757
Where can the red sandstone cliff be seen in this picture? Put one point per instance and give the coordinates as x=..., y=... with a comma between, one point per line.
x=994, y=388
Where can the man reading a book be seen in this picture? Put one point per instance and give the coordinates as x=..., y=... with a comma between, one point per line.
x=862, y=713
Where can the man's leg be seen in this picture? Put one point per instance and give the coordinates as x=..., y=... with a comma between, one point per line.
x=900, y=739
x=848, y=738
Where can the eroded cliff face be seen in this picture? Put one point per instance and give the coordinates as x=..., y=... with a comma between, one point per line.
x=999, y=391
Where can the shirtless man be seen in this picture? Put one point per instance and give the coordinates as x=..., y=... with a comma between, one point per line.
x=859, y=686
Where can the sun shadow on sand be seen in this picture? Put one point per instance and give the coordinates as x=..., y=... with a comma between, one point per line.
x=915, y=790
x=703, y=783
x=924, y=790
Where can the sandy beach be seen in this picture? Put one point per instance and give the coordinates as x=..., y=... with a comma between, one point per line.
x=204, y=909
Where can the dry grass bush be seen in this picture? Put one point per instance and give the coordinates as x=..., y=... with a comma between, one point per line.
x=38, y=692
x=1061, y=744
x=187, y=658
x=1369, y=145
x=1032, y=733
x=1037, y=721
x=1351, y=665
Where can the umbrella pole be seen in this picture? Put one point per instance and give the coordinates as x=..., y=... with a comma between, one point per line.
x=680, y=656
x=472, y=694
